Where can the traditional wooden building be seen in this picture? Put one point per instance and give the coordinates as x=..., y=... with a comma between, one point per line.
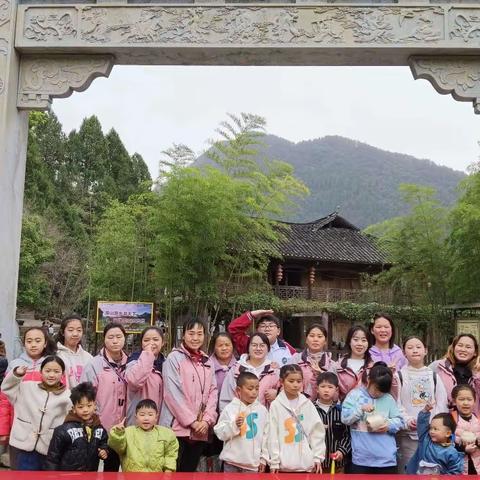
x=324, y=260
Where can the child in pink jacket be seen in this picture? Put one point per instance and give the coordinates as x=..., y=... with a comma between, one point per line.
x=144, y=372
x=190, y=395
x=467, y=432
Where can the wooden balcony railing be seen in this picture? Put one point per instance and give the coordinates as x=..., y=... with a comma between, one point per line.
x=319, y=294
x=379, y=295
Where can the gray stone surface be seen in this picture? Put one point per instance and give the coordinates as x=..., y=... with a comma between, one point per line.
x=13, y=141
x=58, y=76
x=220, y=34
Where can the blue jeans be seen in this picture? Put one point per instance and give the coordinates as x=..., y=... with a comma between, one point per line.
x=30, y=460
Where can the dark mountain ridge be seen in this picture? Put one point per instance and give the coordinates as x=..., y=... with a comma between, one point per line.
x=359, y=180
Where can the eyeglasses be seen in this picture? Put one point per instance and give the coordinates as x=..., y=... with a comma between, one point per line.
x=268, y=326
x=258, y=345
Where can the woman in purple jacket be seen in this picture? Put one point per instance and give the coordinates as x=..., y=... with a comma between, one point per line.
x=384, y=349
x=222, y=357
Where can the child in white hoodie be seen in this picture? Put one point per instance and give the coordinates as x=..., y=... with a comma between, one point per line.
x=69, y=349
x=419, y=386
x=242, y=427
x=296, y=435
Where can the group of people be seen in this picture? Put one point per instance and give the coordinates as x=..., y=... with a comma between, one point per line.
x=254, y=401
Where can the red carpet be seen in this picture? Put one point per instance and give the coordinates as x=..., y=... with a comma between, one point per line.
x=11, y=475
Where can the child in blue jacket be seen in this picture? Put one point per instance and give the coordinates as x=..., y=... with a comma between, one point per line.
x=436, y=453
x=374, y=419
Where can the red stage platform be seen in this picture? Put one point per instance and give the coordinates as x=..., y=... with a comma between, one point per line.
x=16, y=475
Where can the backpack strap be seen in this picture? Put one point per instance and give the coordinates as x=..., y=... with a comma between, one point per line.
x=454, y=414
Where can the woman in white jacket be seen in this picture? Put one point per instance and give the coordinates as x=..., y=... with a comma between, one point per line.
x=296, y=435
x=70, y=350
x=419, y=386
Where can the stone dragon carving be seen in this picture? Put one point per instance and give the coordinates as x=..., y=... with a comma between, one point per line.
x=42, y=79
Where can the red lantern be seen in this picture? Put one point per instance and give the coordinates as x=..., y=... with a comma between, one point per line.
x=311, y=275
x=279, y=273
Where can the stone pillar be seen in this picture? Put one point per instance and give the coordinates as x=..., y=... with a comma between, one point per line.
x=13, y=143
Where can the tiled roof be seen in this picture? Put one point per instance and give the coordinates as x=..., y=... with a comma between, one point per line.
x=331, y=239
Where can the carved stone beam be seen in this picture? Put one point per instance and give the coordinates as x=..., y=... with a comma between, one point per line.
x=58, y=76
x=457, y=75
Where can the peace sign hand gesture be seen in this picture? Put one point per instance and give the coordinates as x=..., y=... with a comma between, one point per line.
x=120, y=427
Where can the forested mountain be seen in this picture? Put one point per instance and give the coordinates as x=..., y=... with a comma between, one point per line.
x=361, y=180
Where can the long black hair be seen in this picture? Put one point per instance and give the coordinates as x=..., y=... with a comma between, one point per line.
x=69, y=318
x=351, y=332
x=50, y=345
x=392, y=326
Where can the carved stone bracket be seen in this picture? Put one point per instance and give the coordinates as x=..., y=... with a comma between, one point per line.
x=455, y=75
x=58, y=76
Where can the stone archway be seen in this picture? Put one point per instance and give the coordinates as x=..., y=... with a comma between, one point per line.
x=49, y=51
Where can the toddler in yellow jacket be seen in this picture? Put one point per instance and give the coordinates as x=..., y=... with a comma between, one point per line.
x=145, y=447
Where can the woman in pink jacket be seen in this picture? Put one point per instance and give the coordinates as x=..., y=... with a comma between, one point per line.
x=314, y=359
x=350, y=369
x=144, y=372
x=190, y=395
x=460, y=365
x=258, y=362
x=107, y=373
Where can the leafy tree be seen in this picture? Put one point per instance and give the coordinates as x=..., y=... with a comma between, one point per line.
x=69, y=183
x=141, y=171
x=36, y=249
x=88, y=156
x=125, y=175
x=40, y=171
x=464, y=241
x=121, y=263
x=417, y=248
x=210, y=227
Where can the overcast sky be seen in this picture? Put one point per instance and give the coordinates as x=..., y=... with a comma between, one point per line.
x=154, y=107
